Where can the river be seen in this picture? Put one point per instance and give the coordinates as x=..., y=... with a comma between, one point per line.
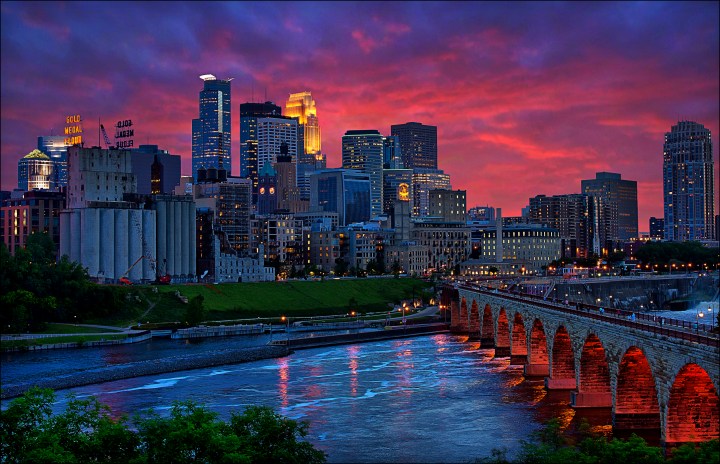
x=432, y=398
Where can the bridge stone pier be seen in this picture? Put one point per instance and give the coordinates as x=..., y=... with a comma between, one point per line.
x=652, y=378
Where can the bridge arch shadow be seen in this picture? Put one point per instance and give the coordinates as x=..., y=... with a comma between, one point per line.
x=693, y=408
x=487, y=338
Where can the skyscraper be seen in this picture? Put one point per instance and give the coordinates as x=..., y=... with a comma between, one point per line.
x=249, y=113
x=418, y=144
x=310, y=156
x=36, y=172
x=211, y=131
x=363, y=150
x=424, y=180
x=342, y=191
x=55, y=147
x=302, y=106
x=621, y=199
x=688, y=183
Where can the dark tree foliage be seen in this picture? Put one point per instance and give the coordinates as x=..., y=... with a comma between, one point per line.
x=694, y=253
x=86, y=432
x=550, y=446
x=35, y=289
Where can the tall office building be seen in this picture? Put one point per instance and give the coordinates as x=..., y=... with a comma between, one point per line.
x=397, y=185
x=392, y=155
x=274, y=135
x=211, y=131
x=688, y=183
x=249, y=113
x=302, y=106
x=621, y=199
x=418, y=144
x=582, y=221
x=310, y=156
x=449, y=205
x=424, y=180
x=363, y=150
x=342, y=191
x=157, y=171
x=657, y=227
x=36, y=172
x=55, y=147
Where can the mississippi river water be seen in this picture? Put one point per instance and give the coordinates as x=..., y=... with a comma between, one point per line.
x=431, y=398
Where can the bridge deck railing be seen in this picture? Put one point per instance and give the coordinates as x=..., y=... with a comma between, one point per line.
x=669, y=327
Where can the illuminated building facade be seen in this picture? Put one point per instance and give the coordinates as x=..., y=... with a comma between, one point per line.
x=657, y=227
x=302, y=106
x=36, y=171
x=423, y=181
x=583, y=222
x=688, y=183
x=267, y=191
x=621, y=198
x=362, y=150
x=211, y=131
x=448, y=205
x=397, y=185
x=36, y=212
x=533, y=246
x=249, y=114
x=55, y=147
x=230, y=201
x=418, y=144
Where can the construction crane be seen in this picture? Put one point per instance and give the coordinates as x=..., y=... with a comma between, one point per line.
x=107, y=139
x=160, y=279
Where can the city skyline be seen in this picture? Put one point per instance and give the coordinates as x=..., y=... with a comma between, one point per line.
x=528, y=98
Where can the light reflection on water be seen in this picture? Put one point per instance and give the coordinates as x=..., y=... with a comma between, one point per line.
x=425, y=399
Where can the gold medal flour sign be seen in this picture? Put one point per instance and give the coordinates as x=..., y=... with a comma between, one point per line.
x=73, y=130
x=124, y=134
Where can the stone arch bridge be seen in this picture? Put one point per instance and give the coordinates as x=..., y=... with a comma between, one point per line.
x=655, y=378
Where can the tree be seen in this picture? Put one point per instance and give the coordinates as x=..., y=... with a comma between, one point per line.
x=195, y=312
x=341, y=267
x=86, y=432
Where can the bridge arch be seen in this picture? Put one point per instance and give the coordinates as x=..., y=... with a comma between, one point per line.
x=693, y=407
x=538, y=360
x=474, y=323
x=594, y=381
x=487, y=337
x=518, y=345
x=562, y=368
x=463, y=322
x=502, y=339
x=636, y=396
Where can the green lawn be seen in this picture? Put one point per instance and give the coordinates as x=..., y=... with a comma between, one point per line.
x=53, y=328
x=290, y=298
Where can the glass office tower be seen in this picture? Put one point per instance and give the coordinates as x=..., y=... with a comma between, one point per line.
x=211, y=131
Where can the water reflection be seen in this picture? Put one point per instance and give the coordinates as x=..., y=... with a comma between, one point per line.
x=436, y=398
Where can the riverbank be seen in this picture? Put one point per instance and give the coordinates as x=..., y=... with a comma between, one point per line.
x=358, y=337
x=150, y=367
x=169, y=364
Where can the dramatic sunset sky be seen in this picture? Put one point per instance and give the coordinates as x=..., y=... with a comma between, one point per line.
x=528, y=98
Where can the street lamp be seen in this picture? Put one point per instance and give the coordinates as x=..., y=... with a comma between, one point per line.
x=712, y=319
x=698, y=315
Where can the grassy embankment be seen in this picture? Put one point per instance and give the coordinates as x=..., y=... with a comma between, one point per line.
x=235, y=301
x=59, y=329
